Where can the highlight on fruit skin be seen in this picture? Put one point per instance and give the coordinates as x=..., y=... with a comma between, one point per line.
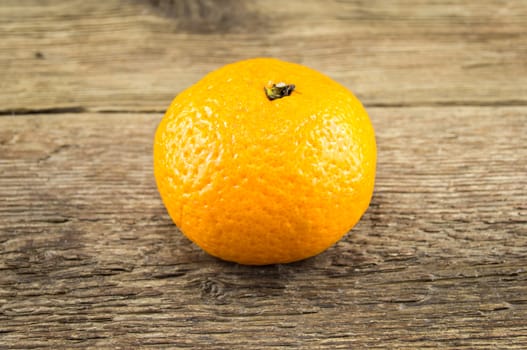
x=264, y=161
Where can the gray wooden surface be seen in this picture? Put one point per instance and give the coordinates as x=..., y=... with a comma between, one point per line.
x=90, y=259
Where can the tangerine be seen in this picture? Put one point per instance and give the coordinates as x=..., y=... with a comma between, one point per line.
x=265, y=161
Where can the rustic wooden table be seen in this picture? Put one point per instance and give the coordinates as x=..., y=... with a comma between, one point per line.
x=90, y=259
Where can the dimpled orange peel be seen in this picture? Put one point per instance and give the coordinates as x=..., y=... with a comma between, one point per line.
x=264, y=161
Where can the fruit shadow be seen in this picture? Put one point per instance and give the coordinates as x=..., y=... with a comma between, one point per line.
x=222, y=282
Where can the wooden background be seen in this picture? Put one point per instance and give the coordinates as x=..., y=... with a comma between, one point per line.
x=90, y=259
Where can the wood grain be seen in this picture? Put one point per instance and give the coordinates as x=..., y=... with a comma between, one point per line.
x=137, y=55
x=89, y=257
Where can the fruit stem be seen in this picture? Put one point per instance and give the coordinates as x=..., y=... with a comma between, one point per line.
x=278, y=90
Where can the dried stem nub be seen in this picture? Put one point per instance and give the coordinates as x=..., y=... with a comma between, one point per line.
x=279, y=90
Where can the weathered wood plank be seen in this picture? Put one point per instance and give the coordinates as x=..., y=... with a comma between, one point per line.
x=89, y=258
x=135, y=56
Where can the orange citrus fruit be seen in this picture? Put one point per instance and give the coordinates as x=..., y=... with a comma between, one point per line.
x=264, y=161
